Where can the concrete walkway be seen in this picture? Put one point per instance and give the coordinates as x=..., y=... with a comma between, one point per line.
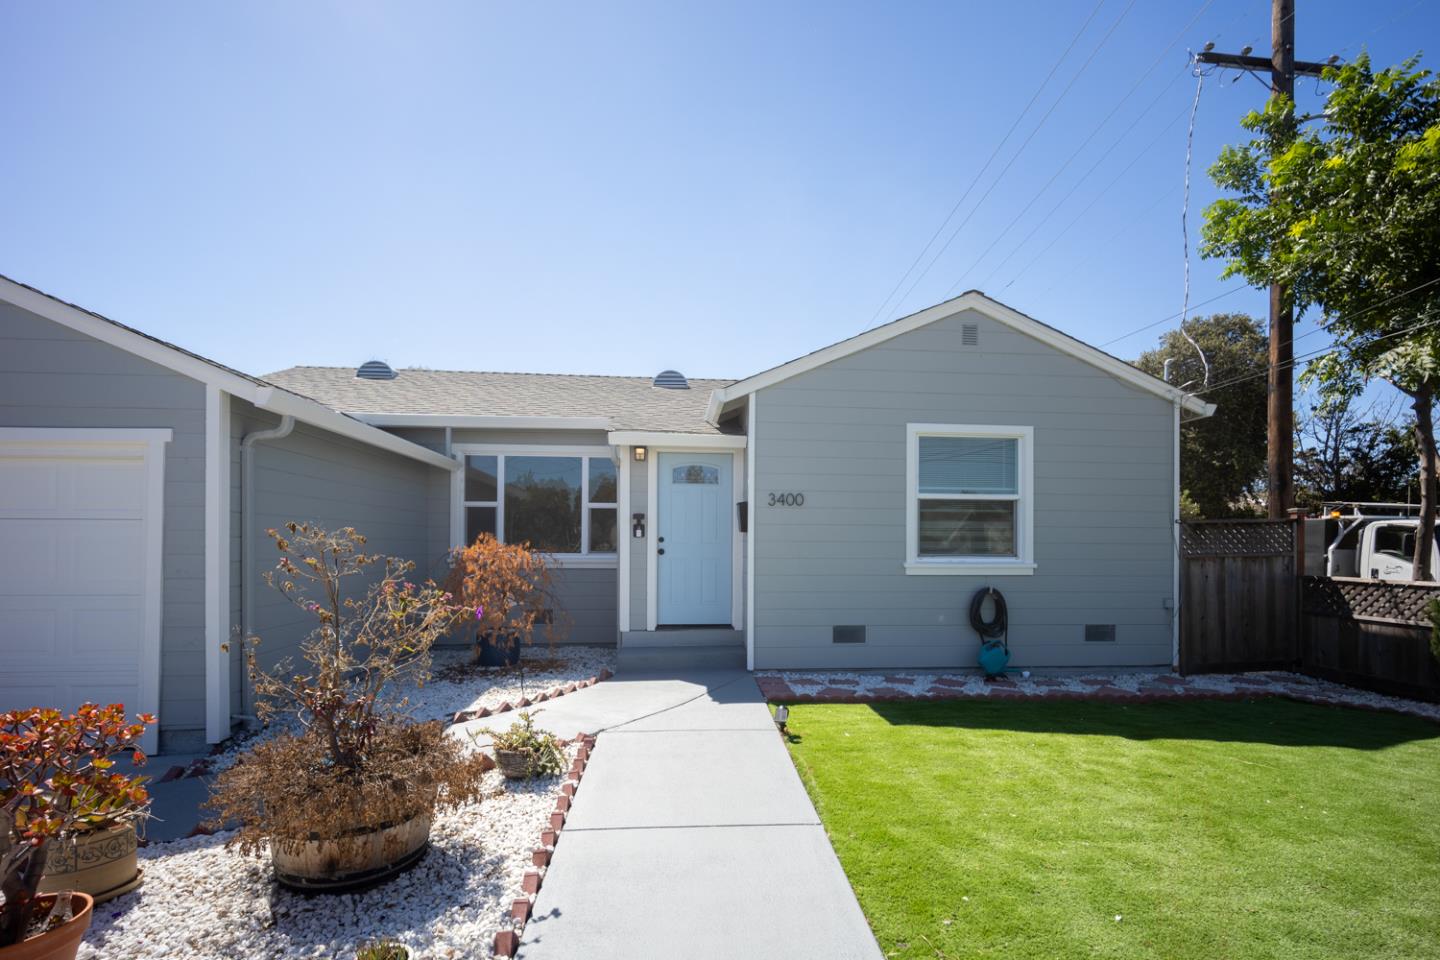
x=691, y=835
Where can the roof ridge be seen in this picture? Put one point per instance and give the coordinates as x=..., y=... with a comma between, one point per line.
x=503, y=373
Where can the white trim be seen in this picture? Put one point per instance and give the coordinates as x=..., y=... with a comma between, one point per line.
x=82, y=435
x=753, y=516
x=533, y=450
x=265, y=396
x=622, y=543
x=150, y=444
x=652, y=511
x=737, y=566
x=309, y=411
x=496, y=422
x=677, y=441
x=458, y=503
x=1023, y=563
x=1175, y=560
x=217, y=564
x=972, y=300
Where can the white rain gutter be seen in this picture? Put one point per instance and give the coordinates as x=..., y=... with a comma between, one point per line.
x=247, y=549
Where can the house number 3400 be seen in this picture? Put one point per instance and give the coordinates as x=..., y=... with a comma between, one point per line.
x=787, y=499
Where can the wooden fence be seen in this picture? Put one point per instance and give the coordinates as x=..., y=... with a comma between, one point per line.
x=1238, y=595
x=1369, y=633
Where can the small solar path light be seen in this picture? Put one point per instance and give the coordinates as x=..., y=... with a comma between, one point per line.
x=782, y=714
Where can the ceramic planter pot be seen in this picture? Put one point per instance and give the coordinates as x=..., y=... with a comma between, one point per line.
x=499, y=650
x=101, y=863
x=61, y=943
x=366, y=858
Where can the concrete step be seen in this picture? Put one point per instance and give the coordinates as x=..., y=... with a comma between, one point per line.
x=651, y=659
x=684, y=637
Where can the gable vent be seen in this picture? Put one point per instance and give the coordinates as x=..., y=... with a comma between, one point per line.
x=375, y=370
x=670, y=380
x=970, y=334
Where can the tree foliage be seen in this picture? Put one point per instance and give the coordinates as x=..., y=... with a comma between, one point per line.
x=1344, y=454
x=1222, y=457
x=1343, y=210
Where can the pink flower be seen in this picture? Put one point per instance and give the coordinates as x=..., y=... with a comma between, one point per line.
x=479, y=612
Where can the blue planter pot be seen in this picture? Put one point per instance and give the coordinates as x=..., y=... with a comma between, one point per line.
x=994, y=658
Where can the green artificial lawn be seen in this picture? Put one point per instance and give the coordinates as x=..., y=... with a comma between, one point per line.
x=1173, y=830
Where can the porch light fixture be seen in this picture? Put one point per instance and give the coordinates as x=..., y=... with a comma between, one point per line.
x=640, y=454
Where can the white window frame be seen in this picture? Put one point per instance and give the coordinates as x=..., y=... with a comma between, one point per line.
x=500, y=451
x=1023, y=563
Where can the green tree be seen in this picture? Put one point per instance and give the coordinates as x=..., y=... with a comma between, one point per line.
x=1346, y=215
x=1222, y=457
x=1345, y=454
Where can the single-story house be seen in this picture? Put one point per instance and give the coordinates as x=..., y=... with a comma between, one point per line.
x=837, y=511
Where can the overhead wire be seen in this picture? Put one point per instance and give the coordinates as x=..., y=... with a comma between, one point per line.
x=990, y=160
x=1019, y=151
x=1094, y=131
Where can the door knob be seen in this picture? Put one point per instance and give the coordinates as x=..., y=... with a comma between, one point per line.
x=660, y=551
x=661, y=540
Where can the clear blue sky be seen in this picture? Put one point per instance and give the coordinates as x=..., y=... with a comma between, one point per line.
x=614, y=187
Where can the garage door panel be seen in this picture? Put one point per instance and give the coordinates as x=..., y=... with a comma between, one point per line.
x=70, y=557
x=29, y=486
x=73, y=574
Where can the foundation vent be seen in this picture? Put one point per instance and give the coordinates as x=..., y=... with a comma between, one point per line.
x=848, y=634
x=1099, y=633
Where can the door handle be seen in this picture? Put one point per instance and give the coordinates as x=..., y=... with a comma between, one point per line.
x=660, y=551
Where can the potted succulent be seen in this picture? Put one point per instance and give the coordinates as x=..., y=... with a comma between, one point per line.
x=56, y=784
x=502, y=592
x=522, y=751
x=345, y=797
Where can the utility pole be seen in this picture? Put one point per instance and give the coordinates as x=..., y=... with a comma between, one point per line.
x=1280, y=406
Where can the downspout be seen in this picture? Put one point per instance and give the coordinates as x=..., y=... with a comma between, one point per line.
x=247, y=549
x=1175, y=532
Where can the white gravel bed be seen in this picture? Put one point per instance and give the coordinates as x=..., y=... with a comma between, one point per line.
x=442, y=699
x=201, y=901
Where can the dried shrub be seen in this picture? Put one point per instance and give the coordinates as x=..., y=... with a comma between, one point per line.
x=284, y=792
x=357, y=764
x=503, y=592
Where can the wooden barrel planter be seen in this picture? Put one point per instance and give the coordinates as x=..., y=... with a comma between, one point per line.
x=363, y=859
x=102, y=863
x=515, y=764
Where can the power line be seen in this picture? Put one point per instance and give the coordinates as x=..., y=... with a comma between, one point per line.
x=1128, y=94
x=1083, y=177
x=1326, y=327
x=1011, y=162
x=1173, y=316
x=993, y=154
x=1056, y=237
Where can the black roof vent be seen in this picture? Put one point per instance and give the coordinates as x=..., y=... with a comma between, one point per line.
x=375, y=370
x=670, y=380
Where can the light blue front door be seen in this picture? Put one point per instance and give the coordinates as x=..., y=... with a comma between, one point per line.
x=693, y=554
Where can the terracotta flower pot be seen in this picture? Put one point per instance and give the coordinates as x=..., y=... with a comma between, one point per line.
x=365, y=858
x=102, y=863
x=63, y=942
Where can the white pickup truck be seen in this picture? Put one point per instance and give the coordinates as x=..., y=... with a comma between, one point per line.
x=1372, y=546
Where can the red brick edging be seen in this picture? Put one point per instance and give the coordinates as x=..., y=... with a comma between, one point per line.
x=507, y=941
x=1163, y=688
x=524, y=702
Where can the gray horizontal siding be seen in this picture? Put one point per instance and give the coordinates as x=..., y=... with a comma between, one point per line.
x=319, y=477
x=1103, y=499
x=588, y=597
x=52, y=376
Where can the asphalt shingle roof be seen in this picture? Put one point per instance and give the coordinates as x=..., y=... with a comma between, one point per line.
x=631, y=403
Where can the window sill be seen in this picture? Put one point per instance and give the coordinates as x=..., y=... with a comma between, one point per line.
x=584, y=561
x=969, y=568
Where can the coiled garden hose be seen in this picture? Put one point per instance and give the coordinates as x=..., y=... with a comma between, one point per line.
x=994, y=655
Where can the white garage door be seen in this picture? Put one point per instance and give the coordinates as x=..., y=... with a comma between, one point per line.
x=79, y=567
